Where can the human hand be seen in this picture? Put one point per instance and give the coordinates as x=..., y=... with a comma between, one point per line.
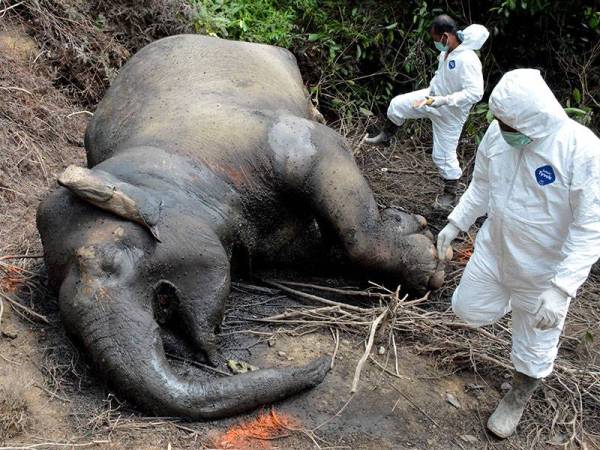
x=445, y=238
x=437, y=101
x=552, y=308
x=422, y=102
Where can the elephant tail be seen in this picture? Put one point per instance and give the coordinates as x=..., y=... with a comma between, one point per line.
x=123, y=339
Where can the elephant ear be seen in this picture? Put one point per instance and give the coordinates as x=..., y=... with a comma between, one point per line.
x=103, y=190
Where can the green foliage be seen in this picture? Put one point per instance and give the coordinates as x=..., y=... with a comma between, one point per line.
x=531, y=6
x=263, y=21
x=356, y=55
x=592, y=18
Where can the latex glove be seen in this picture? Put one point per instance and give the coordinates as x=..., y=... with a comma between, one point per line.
x=551, y=309
x=422, y=102
x=437, y=101
x=445, y=238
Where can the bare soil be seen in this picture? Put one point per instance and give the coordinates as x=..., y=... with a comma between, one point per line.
x=67, y=403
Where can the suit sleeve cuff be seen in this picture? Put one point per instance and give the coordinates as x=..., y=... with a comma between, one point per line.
x=461, y=222
x=564, y=286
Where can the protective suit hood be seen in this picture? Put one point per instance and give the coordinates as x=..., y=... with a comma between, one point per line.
x=473, y=37
x=523, y=101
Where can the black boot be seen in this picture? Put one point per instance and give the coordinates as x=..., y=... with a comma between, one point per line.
x=447, y=199
x=385, y=135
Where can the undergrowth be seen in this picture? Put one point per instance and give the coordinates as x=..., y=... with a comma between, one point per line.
x=355, y=56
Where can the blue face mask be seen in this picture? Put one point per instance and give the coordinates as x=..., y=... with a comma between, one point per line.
x=515, y=139
x=441, y=47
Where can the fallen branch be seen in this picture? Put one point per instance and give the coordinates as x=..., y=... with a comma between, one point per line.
x=316, y=298
x=351, y=292
x=290, y=314
x=365, y=356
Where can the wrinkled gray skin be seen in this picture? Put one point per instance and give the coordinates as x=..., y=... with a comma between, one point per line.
x=216, y=139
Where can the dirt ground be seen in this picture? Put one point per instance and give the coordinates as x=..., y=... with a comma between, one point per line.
x=56, y=400
x=67, y=403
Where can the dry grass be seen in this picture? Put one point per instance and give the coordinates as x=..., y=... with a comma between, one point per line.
x=38, y=139
x=564, y=412
x=14, y=409
x=86, y=42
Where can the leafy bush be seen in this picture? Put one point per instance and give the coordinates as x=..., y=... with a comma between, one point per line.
x=263, y=21
x=356, y=55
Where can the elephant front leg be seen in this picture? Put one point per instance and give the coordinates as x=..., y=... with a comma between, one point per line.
x=199, y=290
x=315, y=162
x=103, y=307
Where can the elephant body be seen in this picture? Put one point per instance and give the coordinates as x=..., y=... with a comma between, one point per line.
x=203, y=149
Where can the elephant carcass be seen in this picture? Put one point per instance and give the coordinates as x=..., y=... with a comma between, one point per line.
x=202, y=146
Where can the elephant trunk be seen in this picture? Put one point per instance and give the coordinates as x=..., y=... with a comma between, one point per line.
x=123, y=339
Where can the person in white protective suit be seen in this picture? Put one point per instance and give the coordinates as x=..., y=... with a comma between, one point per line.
x=537, y=177
x=456, y=86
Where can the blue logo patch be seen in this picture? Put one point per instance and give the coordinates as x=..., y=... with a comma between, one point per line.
x=452, y=64
x=545, y=175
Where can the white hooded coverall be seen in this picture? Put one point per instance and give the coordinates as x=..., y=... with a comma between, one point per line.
x=460, y=79
x=543, y=224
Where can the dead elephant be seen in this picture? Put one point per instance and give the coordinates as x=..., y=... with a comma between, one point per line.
x=202, y=146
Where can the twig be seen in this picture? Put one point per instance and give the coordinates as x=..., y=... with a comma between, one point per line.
x=336, y=338
x=334, y=290
x=416, y=406
x=29, y=311
x=316, y=298
x=198, y=364
x=9, y=360
x=5, y=10
x=80, y=112
x=14, y=88
x=395, y=353
x=365, y=356
x=388, y=371
x=302, y=312
x=51, y=394
x=260, y=289
x=3, y=258
x=335, y=415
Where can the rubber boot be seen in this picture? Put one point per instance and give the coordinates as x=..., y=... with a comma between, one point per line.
x=385, y=135
x=503, y=422
x=447, y=199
